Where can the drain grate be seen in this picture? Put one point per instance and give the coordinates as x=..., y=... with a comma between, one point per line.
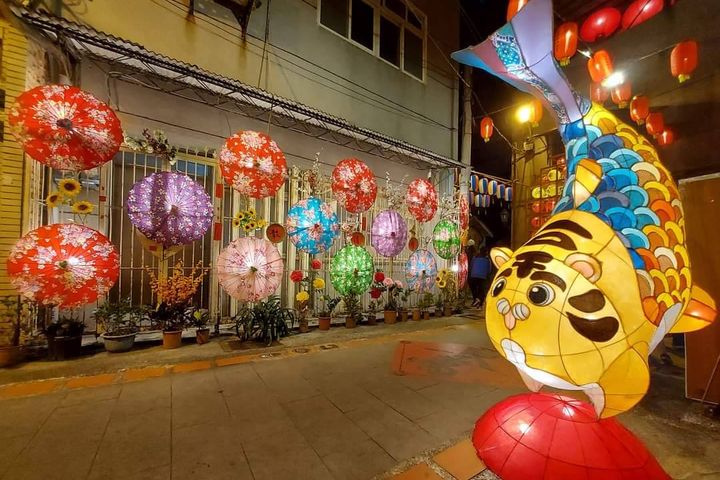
x=328, y=346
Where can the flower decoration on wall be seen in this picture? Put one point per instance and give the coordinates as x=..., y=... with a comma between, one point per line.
x=250, y=269
x=462, y=269
x=420, y=271
x=248, y=221
x=354, y=186
x=446, y=239
x=155, y=143
x=351, y=270
x=422, y=199
x=312, y=225
x=389, y=233
x=66, y=265
x=170, y=208
x=68, y=190
x=65, y=128
x=253, y=164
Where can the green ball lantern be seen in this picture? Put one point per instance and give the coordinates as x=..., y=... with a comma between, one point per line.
x=351, y=270
x=446, y=239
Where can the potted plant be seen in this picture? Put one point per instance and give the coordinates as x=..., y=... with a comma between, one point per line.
x=325, y=314
x=301, y=305
x=425, y=304
x=448, y=293
x=118, y=323
x=373, y=307
x=15, y=313
x=310, y=286
x=353, y=310
x=64, y=337
x=199, y=318
x=264, y=322
x=403, y=297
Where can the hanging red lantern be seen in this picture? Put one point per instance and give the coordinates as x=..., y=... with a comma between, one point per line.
x=621, y=94
x=357, y=239
x=535, y=207
x=600, y=24
x=639, y=109
x=640, y=11
x=600, y=66
x=598, y=93
x=566, y=40
x=666, y=138
x=684, y=60
x=514, y=7
x=486, y=128
x=535, y=222
x=536, y=112
x=655, y=123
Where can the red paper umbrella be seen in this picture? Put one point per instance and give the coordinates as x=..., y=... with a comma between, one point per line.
x=65, y=128
x=541, y=436
x=353, y=184
x=422, y=199
x=253, y=164
x=65, y=265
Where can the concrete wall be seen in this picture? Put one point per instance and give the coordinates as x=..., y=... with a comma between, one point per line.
x=163, y=26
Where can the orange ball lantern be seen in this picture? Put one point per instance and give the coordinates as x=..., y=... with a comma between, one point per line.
x=598, y=93
x=621, y=94
x=566, y=41
x=655, y=123
x=666, y=138
x=514, y=7
x=486, y=128
x=600, y=66
x=639, y=109
x=684, y=60
x=536, y=112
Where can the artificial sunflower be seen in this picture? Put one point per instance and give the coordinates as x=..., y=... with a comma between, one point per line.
x=252, y=225
x=438, y=279
x=442, y=284
x=444, y=273
x=54, y=199
x=240, y=215
x=83, y=208
x=251, y=212
x=246, y=227
x=318, y=284
x=302, y=296
x=69, y=187
x=236, y=222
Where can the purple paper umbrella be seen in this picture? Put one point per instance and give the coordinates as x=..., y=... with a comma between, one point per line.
x=170, y=208
x=389, y=233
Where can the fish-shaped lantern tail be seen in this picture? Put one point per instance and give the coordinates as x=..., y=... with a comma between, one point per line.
x=583, y=303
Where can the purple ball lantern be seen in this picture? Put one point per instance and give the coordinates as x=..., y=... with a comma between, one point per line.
x=389, y=233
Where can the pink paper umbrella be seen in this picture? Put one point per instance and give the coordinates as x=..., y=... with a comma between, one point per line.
x=389, y=233
x=250, y=269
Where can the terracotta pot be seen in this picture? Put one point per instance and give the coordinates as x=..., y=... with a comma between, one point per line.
x=10, y=355
x=324, y=323
x=416, y=314
x=372, y=319
x=172, y=339
x=202, y=335
x=404, y=315
x=61, y=348
x=118, y=343
x=426, y=315
x=447, y=311
x=390, y=316
x=350, y=322
x=303, y=326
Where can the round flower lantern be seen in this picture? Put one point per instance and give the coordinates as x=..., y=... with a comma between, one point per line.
x=354, y=186
x=446, y=239
x=389, y=233
x=252, y=164
x=312, y=225
x=422, y=200
x=351, y=270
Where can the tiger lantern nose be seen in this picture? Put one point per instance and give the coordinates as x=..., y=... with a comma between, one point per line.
x=513, y=313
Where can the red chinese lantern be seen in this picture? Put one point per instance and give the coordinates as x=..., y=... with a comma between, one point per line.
x=600, y=66
x=621, y=94
x=684, y=59
x=357, y=239
x=536, y=112
x=598, y=93
x=639, y=108
x=275, y=233
x=514, y=7
x=413, y=244
x=666, y=138
x=655, y=123
x=600, y=24
x=566, y=39
x=535, y=206
x=640, y=11
x=486, y=128
x=535, y=222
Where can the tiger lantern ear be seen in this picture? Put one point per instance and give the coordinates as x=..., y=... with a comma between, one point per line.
x=586, y=265
x=500, y=255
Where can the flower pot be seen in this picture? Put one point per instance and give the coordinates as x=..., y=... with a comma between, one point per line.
x=426, y=315
x=371, y=319
x=447, y=310
x=416, y=314
x=324, y=323
x=61, y=347
x=10, y=355
x=390, y=316
x=350, y=322
x=172, y=339
x=404, y=315
x=202, y=336
x=118, y=343
x=303, y=326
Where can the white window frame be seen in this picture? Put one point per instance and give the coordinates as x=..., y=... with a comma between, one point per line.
x=380, y=10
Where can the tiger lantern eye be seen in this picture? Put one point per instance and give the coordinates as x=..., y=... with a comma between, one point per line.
x=541, y=294
x=499, y=285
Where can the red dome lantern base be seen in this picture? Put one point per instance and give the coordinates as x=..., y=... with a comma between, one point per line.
x=542, y=436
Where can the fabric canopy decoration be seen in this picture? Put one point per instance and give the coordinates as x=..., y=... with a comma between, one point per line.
x=64, y=265
x=354, y=186
x=312, y=225
x=250, y=269
x=389, y=233
x=351, y=270
x=65, y=128
x=253, y=164
x=170, y=208
x=446, y=239
x=462, y=269
x=422, y=199
x=420, y=271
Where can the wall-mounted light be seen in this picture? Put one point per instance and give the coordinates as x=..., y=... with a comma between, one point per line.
x=524, y=113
